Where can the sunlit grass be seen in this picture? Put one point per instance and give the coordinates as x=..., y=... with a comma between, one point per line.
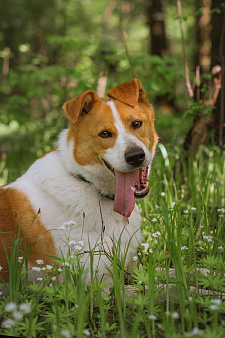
x=178, y=286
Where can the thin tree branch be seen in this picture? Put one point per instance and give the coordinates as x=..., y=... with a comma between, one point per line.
x=188, y=84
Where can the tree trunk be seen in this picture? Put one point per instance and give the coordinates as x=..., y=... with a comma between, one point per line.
x=217, y=57
x=156, y=18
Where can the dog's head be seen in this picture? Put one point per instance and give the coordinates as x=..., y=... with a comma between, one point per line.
x=118, y=134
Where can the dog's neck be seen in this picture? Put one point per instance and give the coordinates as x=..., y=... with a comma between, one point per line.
x=97, y=175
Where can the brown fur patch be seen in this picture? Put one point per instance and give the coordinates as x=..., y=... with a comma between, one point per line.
x=16, y=211
x=87, y=144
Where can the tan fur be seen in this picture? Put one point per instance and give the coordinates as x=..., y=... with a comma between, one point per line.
x=16, y=211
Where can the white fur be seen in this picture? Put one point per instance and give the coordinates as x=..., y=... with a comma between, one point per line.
x=51, y=185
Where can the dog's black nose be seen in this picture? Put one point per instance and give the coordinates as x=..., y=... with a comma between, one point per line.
x=135, y=156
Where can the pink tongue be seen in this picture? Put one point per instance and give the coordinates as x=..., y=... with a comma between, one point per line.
x=124, y=199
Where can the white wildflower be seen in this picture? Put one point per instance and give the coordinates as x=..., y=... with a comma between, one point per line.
x=221, y=216
x=39, y=261
x=25, y=308
x=60, y=269
x=214, y=307
x=62, y=227
x=184, y=247
x=69, y=224
x=156, y=234
x=140, y=282
x=152, y=317
x=154, y=220
x=150, y=251
x=8, y=323
x=193, y=208
x=163, y=193
x=216, y=301
x=1, y=267
x=208, y=238
x=175, y=315
x=65, y=334
x=195, y=332
x=53, y=279
x=40, y=278
x=185, y=211
x=10, y=307
x=65, y=264
x=18, y=316
x=49, y=267
x=36, y=268
x=43, y=269
x=72, y=243
x=173, y=204
x=20, y=259
x=146, y=246
x=156, y=206
x=135, y=258
x=86, y=332
x=220, y=248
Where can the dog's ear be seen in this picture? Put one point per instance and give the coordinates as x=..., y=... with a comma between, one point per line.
x=130, y=92
x=80, y=105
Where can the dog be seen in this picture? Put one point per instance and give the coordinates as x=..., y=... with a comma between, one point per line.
x=87, y=186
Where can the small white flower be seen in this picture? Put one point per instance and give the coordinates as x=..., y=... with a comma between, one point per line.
x=173, y=204
x=62, y=227
x=214, y=307
x=220, y=248
x=1, y=267
x=86, y=332
x=65, y=264
x=140, y=282
x=49, y=267
x=139, y=253
x=190, y=299
x=156, y=206
x=195, y=332
x=71, y=257
x=69, y=224
x=8, y=323
x=154, y=220
x=145, y=245
x=43, y=269
x=163, y=193
x=175, y=315
x=65, y=334
x=193, y=208
x=216, y=301
x=10, y=307
x=18, y=316
x=40, y=278
x=39, y=261
x=185, y=211
x=208, y=238
x=36, y=268
x=60, y=269
x=72, y=243
x=135, y=258
x=184, y=247
x=25, y=308
x=20, y=259
x=221, y=216
x=53, y=279
x=150, y=251
x=76, y=306
x=152, y=317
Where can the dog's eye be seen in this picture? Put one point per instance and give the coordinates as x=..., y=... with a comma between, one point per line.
x=105, y=134
x=137, y=124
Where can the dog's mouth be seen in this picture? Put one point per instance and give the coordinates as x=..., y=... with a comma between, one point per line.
x=130, y=185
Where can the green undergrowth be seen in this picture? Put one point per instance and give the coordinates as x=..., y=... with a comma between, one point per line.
x=177, y=288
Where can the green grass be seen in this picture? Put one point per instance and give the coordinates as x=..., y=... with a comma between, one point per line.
x=183, y=228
